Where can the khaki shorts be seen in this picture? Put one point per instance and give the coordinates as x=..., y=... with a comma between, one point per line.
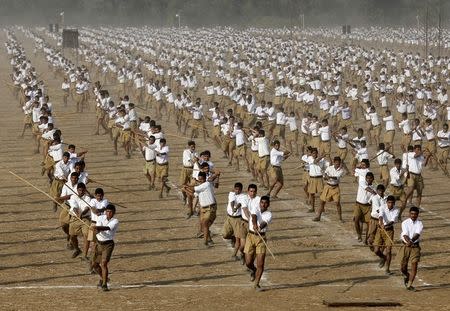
x=240, y=150
x=78, y=227
x=185, y=175
x=409, y=254
x=373, y=227
x=91, y=236
x=384, y=237
x=263, y=163
x=56, y=187
x=384, y=172
x=28, y=120
x=324, y=147
x=406, y=140
x=415, y=182
x=254, y=158
x=64, y=217
x=397, y=192
x=125, y=136
x=208, y=213
x=442, y=154
x=362, y=212
x=389, y=137
x=342, y=153
x=162, y=170
x=315, y=185
x=292, y=136
x=103, y=252
x=149, y=167
x=254, y=244
x=231, y=227
x=276, y=173
x=330, y=194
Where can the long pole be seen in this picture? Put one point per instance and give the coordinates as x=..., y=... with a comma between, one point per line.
x=426, y=33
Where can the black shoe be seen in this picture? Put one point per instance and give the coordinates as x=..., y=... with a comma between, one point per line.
x=382, y=262
x=76, y=253
x=406, y=280
x=105, y=288
x=100, y=284
x=411, y=288
x=252, y=276
x=258, y=288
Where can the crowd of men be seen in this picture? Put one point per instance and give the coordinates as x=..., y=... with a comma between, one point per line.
x=342, y=110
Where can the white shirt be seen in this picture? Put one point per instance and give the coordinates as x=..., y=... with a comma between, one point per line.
x=149, y=152
x=162, y=158
x=390, y=126
x=395, y=176
x=239, y=135
x=336, y=175
x=389, y=215
x=188, y=157
x=378, y=205
x=251, y=205
x=363, y=196
x=415, y=163
x=410, y=228
x=406, y=126
x=443, y=142
x=265, y=217
x=107, y=235
x=236, y=198
x=263, y=146
x=62, y=170
x=205, y=194
x=315, y=169
x=324, y=133
x=99, y=205
x=276, y=157
x=383, y=157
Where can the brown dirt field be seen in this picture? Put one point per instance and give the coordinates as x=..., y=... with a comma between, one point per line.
x=157, y=264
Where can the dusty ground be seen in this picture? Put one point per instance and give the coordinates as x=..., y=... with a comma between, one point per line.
x=157, y=264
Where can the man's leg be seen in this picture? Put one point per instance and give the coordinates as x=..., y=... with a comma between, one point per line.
x=260, y=258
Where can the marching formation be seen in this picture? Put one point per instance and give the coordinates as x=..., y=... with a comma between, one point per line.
x=375, y=117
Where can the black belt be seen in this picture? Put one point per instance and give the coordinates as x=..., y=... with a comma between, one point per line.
x=234, y=216
x=150, y=160
x=105, y=242
x=316, y=176
x=263, y=156
x=414, y=245
x=373, y=218
x=163, y=164
x=191, y=167
x=208, y=206
x=240, y=145
x=415, y=174
x=365, y=204
x=276, y=166
x=254, y=233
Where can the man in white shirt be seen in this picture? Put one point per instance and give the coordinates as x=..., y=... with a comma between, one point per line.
x=443, y=142
x=410, y=251
x=60, y=177
x=162, y=166
x=233, y=224
x=255, y=245
x=331, y=191
x=264, y=157
x=207, y=200
x=383, y=156
x=149, y=154
x=81, y=216
x=384, y=237
x=240, y=151
x=389, y=130
x=361, y=211
x=105, y=229
x=276, y=173
x=315, y=183
x=405, y=126
x=396, y=187
x=416, y=161
x=189, y=158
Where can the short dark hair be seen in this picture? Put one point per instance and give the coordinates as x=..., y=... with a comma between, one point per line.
x=111, y=207
x=414, y=209
x=238, y=185
x=390, y=198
